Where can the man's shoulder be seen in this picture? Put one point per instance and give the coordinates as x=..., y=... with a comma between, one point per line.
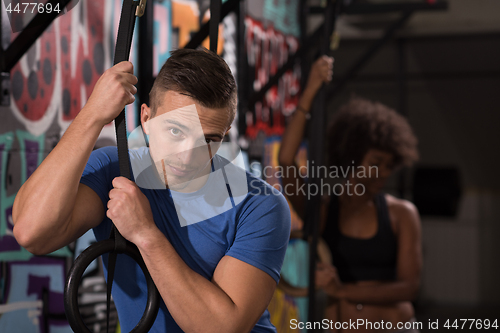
x=107, y=153
x=102, y=163
x=266, y=198
x=107, y=157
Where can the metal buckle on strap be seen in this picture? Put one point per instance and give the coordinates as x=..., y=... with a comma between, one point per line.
x=141, y=7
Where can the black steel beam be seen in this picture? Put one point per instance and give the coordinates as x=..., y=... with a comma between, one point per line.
x=305, y=63
x=242, y=72
x=145, y=56
x=402, y=106
x=214, y=23
x=369, y=8
x=401, y=77
x=442, y=75
x=29, y=35
x=317, y=134
x=382, y=8
x=196, y=40
x=358, y=65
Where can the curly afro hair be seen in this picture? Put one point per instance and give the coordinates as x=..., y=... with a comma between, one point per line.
x=361, y=125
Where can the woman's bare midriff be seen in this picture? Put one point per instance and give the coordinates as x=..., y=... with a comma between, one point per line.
x=344, y=311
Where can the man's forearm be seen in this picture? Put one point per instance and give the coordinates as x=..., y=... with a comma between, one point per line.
x=45, y=201
x=195, y=303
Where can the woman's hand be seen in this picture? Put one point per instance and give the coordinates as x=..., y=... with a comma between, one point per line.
x=327, y=278
x=321, y=72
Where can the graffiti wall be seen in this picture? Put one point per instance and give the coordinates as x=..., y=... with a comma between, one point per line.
x=272, y=32
x=49, y=86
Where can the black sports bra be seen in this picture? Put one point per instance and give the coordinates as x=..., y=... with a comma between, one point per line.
x=359, y=259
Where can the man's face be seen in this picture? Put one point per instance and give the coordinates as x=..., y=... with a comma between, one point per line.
x=183, y=137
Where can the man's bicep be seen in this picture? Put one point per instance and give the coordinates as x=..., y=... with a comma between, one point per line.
x=262, y=234
x=250, y=289
x=88, y=212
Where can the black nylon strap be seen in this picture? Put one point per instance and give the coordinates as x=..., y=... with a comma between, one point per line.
x=122, y=52
x=215, y=6
x=120, y=247
x=109, y=285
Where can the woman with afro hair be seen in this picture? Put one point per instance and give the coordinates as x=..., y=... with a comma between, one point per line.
x=374, y=237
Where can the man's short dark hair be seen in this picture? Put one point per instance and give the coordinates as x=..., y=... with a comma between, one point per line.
x=200, y=74
x=360, y=125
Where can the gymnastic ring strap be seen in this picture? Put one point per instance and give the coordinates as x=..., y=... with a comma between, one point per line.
x=215, y=7
x=74, y=280
x=117, y=243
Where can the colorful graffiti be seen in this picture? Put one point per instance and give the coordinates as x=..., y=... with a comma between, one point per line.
x=174, y=23
x=186, y=21
x=283, y=14
x=162, y=30
x=50, y=84
x=267, y=50
x=34, y=297
x=58, y=73
x=30, y=156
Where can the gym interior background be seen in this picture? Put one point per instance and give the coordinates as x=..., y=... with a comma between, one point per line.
x=440, y=69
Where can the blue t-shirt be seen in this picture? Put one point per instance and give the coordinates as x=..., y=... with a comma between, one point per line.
x=251, y=224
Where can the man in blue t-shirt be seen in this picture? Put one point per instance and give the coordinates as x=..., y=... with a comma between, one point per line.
x=213, y=237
